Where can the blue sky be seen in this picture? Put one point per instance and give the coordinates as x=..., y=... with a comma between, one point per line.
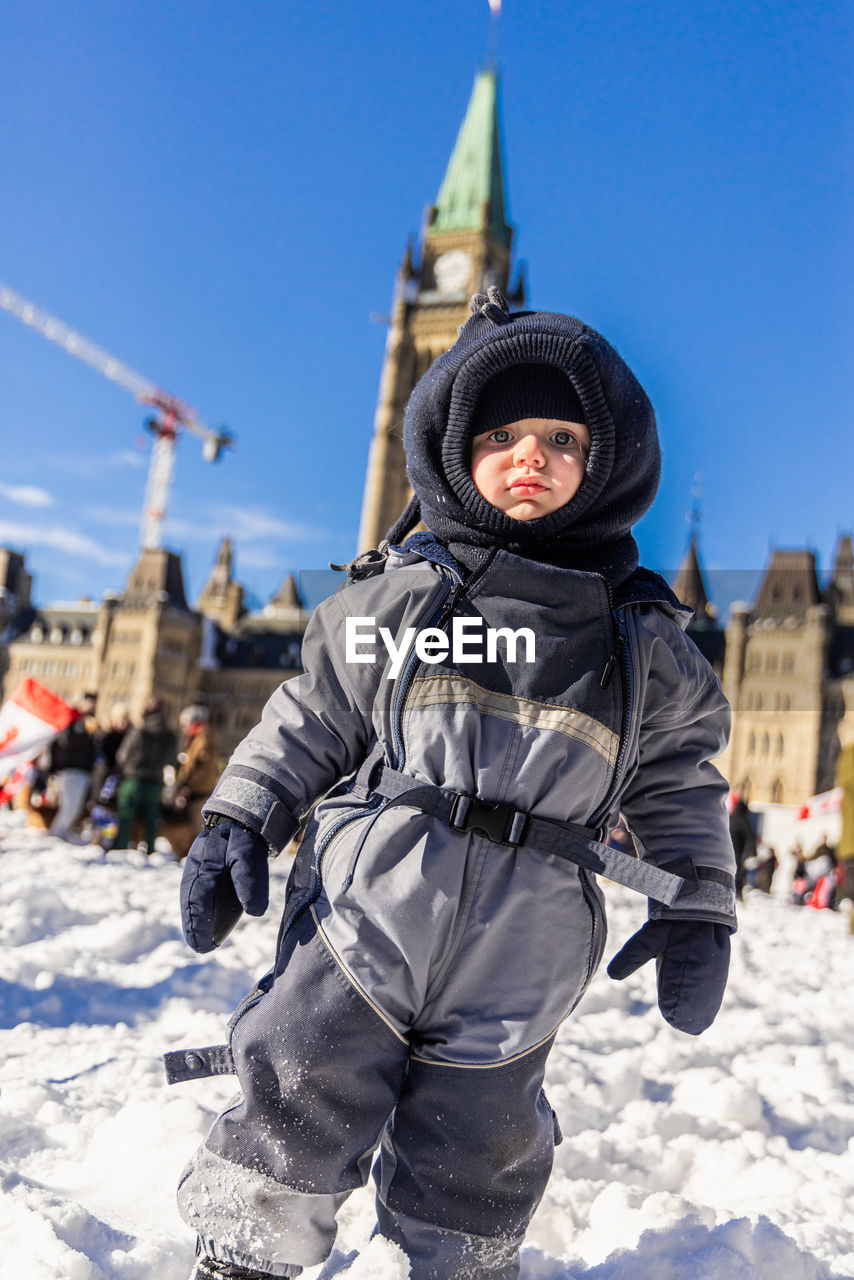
x=219, y=194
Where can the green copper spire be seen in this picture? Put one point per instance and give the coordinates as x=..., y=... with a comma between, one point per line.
x=474, y=176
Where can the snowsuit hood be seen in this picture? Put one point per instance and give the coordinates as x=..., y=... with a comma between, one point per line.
x=593, y=530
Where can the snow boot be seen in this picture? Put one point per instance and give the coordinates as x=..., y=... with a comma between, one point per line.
x=209, y=1269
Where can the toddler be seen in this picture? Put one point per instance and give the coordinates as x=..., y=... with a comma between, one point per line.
x=478, y=706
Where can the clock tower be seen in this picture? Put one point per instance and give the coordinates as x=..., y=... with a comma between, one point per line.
x=465, y=247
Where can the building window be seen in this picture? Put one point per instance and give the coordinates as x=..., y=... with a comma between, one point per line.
x=771, y=662
x=788, y=662
x=751, y=744
x=786, y=702
x=779, y=745
x=766, y=744
x=776, y=791
x=759, y=702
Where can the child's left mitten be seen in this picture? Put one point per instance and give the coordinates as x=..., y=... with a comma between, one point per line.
x=226, y=873
x=692, y=964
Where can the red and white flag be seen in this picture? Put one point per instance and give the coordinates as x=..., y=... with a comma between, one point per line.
x=29, y=720
x=822, y=805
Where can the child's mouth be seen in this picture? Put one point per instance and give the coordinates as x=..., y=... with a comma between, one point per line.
x=522, y=487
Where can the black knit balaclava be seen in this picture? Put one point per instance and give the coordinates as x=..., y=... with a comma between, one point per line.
x=593, y=530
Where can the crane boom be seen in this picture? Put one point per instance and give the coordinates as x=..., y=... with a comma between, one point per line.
x=173, y=413
x=76, y=345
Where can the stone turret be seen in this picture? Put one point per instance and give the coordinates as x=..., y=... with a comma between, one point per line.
x=222, y=598
x=841, y=593
x=689, y=585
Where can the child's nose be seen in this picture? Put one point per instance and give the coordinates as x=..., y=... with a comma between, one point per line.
x=529, y=449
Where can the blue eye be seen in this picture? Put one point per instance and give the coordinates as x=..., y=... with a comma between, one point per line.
x=500, y=436
x=563, y=438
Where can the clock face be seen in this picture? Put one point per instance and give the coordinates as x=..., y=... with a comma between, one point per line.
x=453, y=271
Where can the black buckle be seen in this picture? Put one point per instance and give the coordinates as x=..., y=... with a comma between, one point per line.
x=497, y=820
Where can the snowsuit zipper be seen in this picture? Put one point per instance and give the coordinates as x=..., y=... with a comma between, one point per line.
x=620, y=658
x=450, y=600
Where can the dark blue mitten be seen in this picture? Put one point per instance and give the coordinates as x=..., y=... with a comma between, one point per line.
x=692, y=963
x=225, y=874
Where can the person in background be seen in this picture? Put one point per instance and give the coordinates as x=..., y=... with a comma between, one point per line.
x=619, y=838
x=845, y=847
x=198, y=772
x=766, y=864
x=72, y=758
x=800, y=884
x=106, y=773
x=743, y=840
x=197, y=775
x=144, y=753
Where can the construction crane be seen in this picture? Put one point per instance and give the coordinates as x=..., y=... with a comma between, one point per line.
x=172, y=414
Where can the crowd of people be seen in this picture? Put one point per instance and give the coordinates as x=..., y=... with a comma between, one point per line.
x=125, y=783
x=821, y=876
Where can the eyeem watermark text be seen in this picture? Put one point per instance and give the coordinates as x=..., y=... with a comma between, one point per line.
x=469, y=641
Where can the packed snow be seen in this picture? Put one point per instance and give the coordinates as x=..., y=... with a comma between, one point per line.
x=728, y=1157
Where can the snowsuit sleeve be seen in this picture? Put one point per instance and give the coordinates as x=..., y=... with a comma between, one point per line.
x=314, y=729
x=674, y=799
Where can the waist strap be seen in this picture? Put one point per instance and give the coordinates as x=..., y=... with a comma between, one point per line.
x=503, y=824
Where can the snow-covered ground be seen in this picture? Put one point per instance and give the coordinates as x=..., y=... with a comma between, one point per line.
x=729, y=1157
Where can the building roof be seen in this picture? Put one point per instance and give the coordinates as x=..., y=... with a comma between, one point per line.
x=287, y=597
x=473, y=186
x=789, y=586
x=156, y=576
x=58, y=624
x=258, y=646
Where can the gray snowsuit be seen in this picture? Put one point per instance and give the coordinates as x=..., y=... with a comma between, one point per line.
x=442, y=917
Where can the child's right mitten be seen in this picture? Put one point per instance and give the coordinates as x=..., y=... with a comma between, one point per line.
x=226, y=873
x=692, y=964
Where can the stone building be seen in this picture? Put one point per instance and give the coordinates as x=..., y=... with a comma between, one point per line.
x=148, y=640
x=789, y=676
x=465, y=248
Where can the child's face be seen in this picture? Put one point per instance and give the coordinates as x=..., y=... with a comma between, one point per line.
x=530, y=468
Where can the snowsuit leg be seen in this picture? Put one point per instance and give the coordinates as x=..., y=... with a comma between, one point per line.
x=320, y=1072
x=464, y=1163
x=465, y=1157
